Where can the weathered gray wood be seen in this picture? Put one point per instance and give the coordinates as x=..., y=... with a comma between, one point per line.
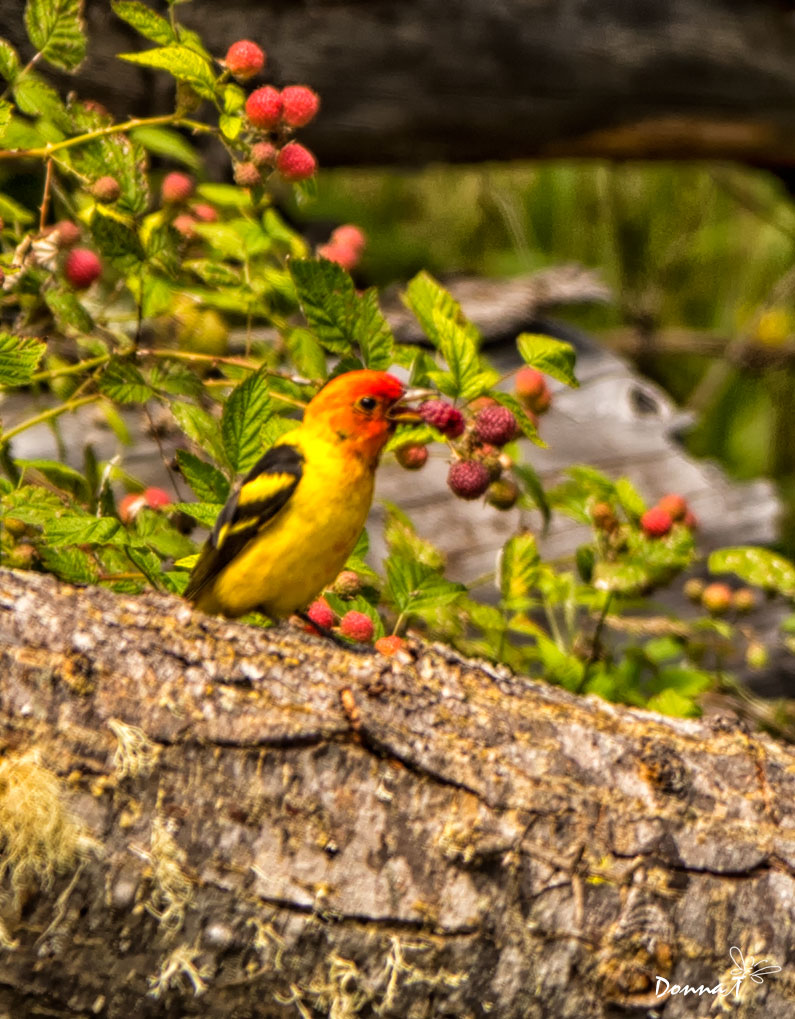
x=410, y=81
x=292, y=827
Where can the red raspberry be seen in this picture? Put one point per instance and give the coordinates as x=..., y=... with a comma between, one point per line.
x=156, y=498
x=347, y=583
x=244, y=59
x=674, y=505
x=82, y=267
x=656, y=522
x=495, y=425
x=247, y=175
x=264, y=108
x=339, y=253
x=294, y=162
x=205, y=213
x=130, y=506
x=532, y=389
x=357, y=626
x=390, y=645
x=264, y=154
x=444, y=416
x=503, y=494
x=68, y=233
x=184, y=225
x=299, y=105
x=717, y=598
x=176, y=188
x=321, y=613
x=106, y=189
x=349, y=236
x=468, y=479
x=412, y=457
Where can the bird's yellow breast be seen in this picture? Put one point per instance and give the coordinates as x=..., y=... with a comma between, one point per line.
x=302, y=549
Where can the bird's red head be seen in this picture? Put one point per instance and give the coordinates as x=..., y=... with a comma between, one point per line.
x=360, y=408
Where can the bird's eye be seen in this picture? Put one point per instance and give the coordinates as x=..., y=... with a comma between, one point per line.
x=368, y=403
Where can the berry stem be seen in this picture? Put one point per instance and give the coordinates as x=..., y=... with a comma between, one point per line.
x=72, y=369
x=45, y=198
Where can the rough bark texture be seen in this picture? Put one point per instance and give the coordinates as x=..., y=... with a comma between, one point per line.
x=410, y=82
x=303, y=830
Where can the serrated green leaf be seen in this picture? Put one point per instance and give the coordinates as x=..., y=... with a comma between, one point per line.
x=118, y=156
x=144, y=20
x=631, y=500
x=529, y=430
x=201, y=427
x=38, y=99
x=328, y=299
x=756, y=566
x=19, y=358
x=414, y=587
x=168, y=144
x=429, y=301
x=13, y=212
x=174, y=378
x=228, y=239
x=372, y=333
x=403, y=541
x=533, y=487
x=225, y=195
x=207, y=482
x=72, y=565
x=550, y=356
x=67, y=311
x=55, y=27
x=9, y=61
x=413, y=435
x=156, y=294
x=518, y=570
x=307, y=354
x=205, y=513
x=6, y=110
x=230, y=125
x=672, y=702
x=212, y=272
x=61, y=475
x=116, y=240
x=248, y=408
x=183, y=63
x=156, y=532
x=122, y=382
x=81, y=529
x=626, y=577
x=234, y=98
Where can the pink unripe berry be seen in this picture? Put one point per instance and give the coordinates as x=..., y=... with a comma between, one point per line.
x=176, y=188
x=390, y=645
x=184, y=225
x=674, y=505
x=264, y=108
x=656, y=522
x=264, y=154
x=205, y=213
x=68, y=233
x=357, y=626
x=717, y=598
x=106, y=189
x=130, y=506
x=247, y=175
x=468, y=479
x=495, y=425
x=339, y=253
x=444, y=416
x=244, y=59
x=82, y=267
x=347, y=584
x=532, y=390
x=412, y=457
x=350, y=236
x=156, y=498
x=321, y=613
x=299, y=105
x=294, y=162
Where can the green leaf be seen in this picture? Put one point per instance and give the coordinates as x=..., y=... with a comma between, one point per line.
x=225, y=195
x=230, y=125
x=38, y=99
x=156, y=531
x=144, y=20
x=328, y=299
x=416, y=588
x=518, y=569
x=64, y=477
x=147, y=562
x=307, y=354
x=403, y=541
x=756, y=566
x=124, y=159
x=207, y=482
x=212, y=272
x=372, y=333
x=205, y=513
x=413, y=435
x=67, y=311
x=19, y=358
x=231, y=239
x=180, y=61
x=201, y=427
x=430, y=302
x=13, y=212
x=631, y=500
x=460, y=352
x=9, y=61
x=528, y=428
x=168, y=144
x=72, y=565
x=81, y=529
x=532, y=485
x=55, y=27
x=6, y=111
x=122, y=382
x=625, y=577
x=174, y=378
x=672, y=702
x=553, y=357
x=248, y=408
x=116, y=240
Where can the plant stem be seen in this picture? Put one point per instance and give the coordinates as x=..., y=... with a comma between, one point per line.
x=47, y=415
x=72, y=369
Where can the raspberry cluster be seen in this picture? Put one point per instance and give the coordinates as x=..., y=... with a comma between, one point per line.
x=671, y=509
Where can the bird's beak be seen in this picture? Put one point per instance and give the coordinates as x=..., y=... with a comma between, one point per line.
x=402, y=412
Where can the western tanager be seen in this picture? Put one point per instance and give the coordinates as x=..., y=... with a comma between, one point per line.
x=294, y=519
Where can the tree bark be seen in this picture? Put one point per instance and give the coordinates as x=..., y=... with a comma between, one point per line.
x=230, y=822
x=412, y=82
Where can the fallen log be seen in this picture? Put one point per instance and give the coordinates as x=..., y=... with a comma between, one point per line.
x=204, y=818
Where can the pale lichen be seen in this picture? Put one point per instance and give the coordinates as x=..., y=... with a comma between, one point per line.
x=136, y=755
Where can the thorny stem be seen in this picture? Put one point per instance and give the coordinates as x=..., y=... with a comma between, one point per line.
x=45, y=198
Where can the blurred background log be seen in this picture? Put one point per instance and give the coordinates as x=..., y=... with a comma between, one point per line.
x=412, y=82
x=203, y=818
